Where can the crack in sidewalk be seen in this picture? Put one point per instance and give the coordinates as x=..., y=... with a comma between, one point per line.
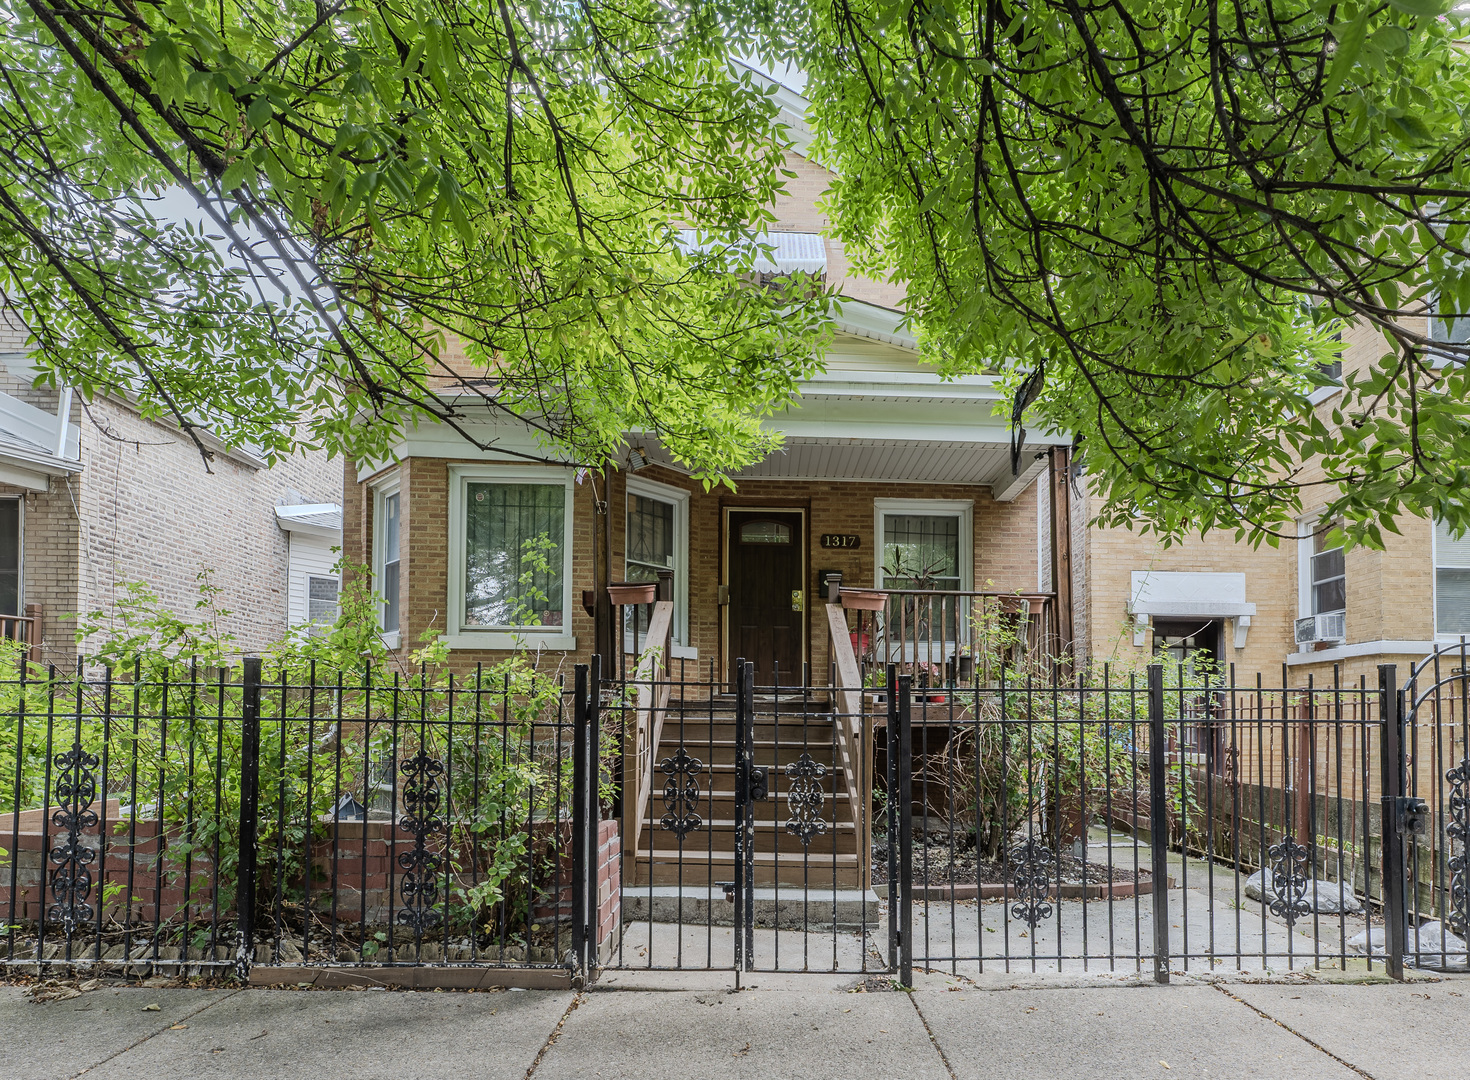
x=1287, y=1027
x=152, y=1034
x=555, y=1034
x=943, y=1057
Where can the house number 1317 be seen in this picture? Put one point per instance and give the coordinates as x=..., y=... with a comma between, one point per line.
x=841, y=540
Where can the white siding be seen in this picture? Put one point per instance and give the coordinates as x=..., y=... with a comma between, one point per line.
x=310, y=557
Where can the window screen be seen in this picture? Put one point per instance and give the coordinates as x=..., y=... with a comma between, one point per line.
x=321, y=601
x=1329, y=582
x=514, y=554
x=1451, y=581
x=921, y=551
x=9, y=556
x=388, y=582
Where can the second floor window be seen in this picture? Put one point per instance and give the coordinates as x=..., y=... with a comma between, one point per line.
x=1329, y=580
x=1451, y=581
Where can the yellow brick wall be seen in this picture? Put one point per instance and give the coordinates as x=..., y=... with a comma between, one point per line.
x=1005, y=552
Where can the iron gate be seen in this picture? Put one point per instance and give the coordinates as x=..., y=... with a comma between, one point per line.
x=746, y=822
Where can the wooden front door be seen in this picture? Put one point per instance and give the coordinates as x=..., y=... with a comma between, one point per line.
x=766, y=565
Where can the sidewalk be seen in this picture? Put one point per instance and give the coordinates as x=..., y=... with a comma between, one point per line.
x=788, y=1026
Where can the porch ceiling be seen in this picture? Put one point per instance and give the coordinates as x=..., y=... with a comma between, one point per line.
x=902, y=460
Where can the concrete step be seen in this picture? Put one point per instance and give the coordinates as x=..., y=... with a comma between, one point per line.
x=784, y=908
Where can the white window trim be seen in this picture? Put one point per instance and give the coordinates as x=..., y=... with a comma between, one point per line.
x=531, y=637
x=964, y=509
x=1439, y=638
x=1304, y=527
x=381, y=490
x=679, y=498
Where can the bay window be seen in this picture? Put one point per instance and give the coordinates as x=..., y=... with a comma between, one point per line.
x=509, y=557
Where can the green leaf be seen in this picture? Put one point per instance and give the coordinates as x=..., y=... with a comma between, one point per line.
x=259, y=113
x=1346, y=56
x=1424, y=9
x=1410, y=128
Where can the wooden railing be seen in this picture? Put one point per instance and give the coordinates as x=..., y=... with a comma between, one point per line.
x=650, y=690
x=20, y=628
x=945, y=637
x=849, y=719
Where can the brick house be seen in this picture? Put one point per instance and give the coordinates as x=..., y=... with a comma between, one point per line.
x=882, y=460
x=93, y=496
x=1301, y=606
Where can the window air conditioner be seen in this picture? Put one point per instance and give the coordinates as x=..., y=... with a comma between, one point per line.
x=1325, y=627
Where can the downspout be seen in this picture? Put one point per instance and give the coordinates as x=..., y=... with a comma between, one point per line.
x=1059, y=471
x=602, y=634
x=63, y=421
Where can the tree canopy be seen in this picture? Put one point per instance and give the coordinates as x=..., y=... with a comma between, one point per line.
x=1152, y=219
x=312, y=220
x=1169, y=212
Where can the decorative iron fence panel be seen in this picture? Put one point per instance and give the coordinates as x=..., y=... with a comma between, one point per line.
x=1177, y=823
x=192, y=821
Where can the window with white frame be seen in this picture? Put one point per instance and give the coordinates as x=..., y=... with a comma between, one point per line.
x=1329, y=576
x=1322, y=570
x=925, y=544
x=321, y=602
x=510, y=556
x=658, y=539
x=10, y=548
x=1451, y=581
x=386, y=546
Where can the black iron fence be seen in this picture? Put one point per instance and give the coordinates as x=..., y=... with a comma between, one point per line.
x=1169, y=821
x=190, y=821
x=746, y=815
x=193, y=821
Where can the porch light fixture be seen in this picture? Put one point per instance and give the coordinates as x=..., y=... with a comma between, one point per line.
x=637, y=459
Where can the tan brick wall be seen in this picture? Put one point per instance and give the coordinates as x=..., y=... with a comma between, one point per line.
x=797, y=211
x=1004, y=545
x=1390, y=593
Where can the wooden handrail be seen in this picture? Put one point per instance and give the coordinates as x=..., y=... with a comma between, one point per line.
x=652, y=699
x=849, y=703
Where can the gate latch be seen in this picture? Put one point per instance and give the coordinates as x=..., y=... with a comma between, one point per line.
x=1413, y=815
x=759, y=787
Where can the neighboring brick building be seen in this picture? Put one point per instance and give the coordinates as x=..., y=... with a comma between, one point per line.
x=93, y=496
x=1356, y=610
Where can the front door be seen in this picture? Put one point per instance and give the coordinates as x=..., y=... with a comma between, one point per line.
x=766, y=616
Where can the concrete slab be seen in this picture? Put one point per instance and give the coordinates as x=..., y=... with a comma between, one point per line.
x=667, y=945
x=58, y=1039
x=1388, y=1031
x=367, y=1035
x=790, y=908
x=752, y=1035
x=1115, y=1033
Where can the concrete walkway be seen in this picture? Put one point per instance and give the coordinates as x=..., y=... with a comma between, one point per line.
x=669, y=1027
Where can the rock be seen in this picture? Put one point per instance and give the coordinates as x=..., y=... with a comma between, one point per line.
x=290, y=952
x=1324, y=897
x=114, y=953
x=1432, y=943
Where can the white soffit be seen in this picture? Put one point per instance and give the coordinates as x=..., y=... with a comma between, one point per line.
x=1188, y=594
x=316, y=519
